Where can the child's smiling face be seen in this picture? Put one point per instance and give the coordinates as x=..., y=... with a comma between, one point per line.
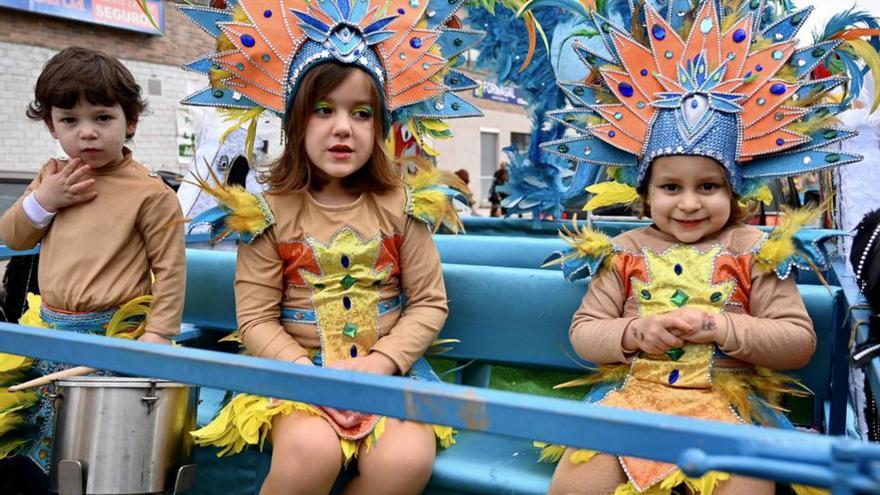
x=95, y=133
x=689, y=197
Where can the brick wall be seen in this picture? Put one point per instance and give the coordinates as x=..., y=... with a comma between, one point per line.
x=28, y=40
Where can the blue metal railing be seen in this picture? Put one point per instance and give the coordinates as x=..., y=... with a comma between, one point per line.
x=844, y=465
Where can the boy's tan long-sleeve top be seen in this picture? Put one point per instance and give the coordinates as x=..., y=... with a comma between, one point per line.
x=270, y=275
x=99, y=254
x=770, y=327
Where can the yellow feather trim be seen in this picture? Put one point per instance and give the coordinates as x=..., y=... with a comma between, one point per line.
x=432, y=205
x=808, y=490
x=779, y=246
x=586, y=242
x=550, y=452
x=240, y=117
x=610, y=193
x=582, y=456
x=761, y=194
x=248, y=213
x=121, y=326
x=31, y=317
x=603, y=374
x=445, y=435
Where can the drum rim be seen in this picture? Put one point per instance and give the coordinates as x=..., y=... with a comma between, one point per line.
x=117, y=382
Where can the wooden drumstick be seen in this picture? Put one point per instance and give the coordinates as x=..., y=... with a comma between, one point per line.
x=58, y=375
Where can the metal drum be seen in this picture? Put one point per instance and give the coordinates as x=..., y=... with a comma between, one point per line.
x=116, y=436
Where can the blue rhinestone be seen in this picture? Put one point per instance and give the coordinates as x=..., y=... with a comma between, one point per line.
x=659, y=32
x=611, y=134
x=780, y=141
x=625, y=89
x=673, y=377
x=354, y=353
x=415, y=43
x=346, y=302
x=267, y=13
x=739, y=35
x=345, y=261
x=644, y=72
x=265, y=57
x=239, y=66
x=759, y=67
x=677, y=269
x=777, y=89
x=748, y=74
x=401, y=11
x=247, y=40
x=694, y=103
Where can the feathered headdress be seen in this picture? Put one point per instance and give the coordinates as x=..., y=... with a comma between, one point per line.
x=265, y=47
x=722, y=79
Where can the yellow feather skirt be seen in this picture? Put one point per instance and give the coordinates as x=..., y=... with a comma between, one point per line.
x=742, y=390
x=247, y=420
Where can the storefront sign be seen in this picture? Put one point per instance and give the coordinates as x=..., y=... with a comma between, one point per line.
x=496, y=92
x=122, y=14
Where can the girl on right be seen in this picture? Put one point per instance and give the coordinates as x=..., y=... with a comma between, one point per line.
x=694, y=314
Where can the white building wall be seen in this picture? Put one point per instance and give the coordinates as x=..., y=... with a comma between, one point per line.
x=463, y=149
x=26, y=144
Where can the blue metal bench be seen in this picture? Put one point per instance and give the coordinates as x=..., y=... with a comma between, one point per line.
x=512, y=316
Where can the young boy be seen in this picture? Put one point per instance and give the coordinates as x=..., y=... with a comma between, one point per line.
x=104, y=222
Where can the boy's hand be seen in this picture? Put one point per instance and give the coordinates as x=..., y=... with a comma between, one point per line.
x=65, y=187
x=154, y=338
x=705, y=326
x=655, y=334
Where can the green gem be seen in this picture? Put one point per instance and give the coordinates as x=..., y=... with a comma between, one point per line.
x=822, y=112
x=675, y=353
x=562, y=148
x=777, y=54
x=668, y=54
x=818, y=52
x=454, y=81
x=568, y=118
x=455, y=106
x=679, y=298
x=265, y=57
x=646, y=294
x=754, y=4
x=579, y=91
x=239, y=66
x=458, y=42
x=715, y=297
x=350, y=330
x=829, y=134
x=640, y=104
x=618, y=116
x=832, y=158
x=347, y=281
x=761, y=101
x=606, y=28
x=218, y=93
x=796, y=20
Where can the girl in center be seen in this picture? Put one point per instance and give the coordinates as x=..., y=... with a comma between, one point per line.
x=338, y=267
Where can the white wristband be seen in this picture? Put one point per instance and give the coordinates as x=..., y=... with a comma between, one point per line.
x=36, y=213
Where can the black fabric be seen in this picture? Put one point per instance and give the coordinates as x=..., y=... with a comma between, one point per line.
x=868, y=279
x=19, y=279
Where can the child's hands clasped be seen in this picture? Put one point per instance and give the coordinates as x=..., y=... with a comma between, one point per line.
x=65, y=187
x=658, y=333
x=375, y=363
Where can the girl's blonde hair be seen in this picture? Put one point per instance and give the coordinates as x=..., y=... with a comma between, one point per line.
x=293, y=171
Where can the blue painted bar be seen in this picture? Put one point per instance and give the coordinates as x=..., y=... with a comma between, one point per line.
x=795, y=456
